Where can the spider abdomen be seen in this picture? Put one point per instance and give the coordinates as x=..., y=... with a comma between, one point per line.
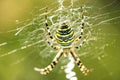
x=65, y=35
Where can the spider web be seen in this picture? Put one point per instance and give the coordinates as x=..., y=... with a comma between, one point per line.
x=27, y=45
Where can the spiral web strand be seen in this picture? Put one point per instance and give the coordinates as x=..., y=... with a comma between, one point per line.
x=70, y=74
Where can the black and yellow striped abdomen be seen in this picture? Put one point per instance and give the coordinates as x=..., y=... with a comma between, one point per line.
x=65, y=35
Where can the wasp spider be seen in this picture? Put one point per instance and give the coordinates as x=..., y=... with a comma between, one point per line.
x=66, y=38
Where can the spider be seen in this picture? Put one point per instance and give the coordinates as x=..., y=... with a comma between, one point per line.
x=66, y=38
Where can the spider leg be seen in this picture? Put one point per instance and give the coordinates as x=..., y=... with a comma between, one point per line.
x=50, y=67
x=46, y=24
x=83, y=42
x=82, y=25
x=83, y=69
x=49, y=33
x=52, y=46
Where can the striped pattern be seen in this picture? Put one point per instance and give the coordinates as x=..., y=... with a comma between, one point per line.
x=83, y=69
x=48, y=30
x=82, y=23
x=50, y=67
x=65, y=35
x=49, y=33
x=52, y=46
x=82, y=43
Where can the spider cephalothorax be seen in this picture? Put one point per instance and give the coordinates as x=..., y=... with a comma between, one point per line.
x=65, y=37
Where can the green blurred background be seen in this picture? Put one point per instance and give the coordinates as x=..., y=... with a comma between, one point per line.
x=101, y=54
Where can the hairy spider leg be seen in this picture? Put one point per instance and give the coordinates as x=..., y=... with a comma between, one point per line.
x=81, y=31
x=50, y=67
x=49, y=33
x=83, y=42
x=82, y=25
x=83, y=69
